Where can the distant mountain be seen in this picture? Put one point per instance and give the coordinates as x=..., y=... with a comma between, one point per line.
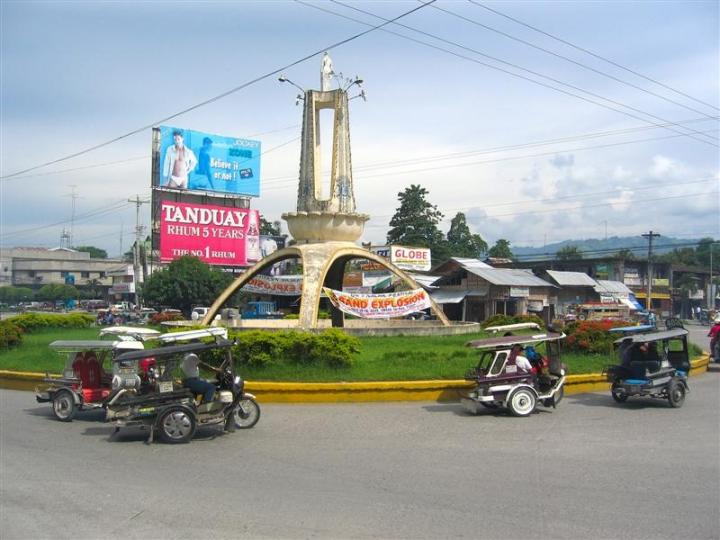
x=595, y=248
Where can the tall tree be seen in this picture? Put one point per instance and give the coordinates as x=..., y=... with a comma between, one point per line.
x=95, y=253
x=463, y=243
x=268, y=227
x=501, y=250
x=415, y=223
x=186, y=282
x=569, y=253
x=702, y=252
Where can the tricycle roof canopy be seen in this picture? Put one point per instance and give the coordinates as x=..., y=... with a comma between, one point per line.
x=504, y=342
x=654, y=336
x=86, y=345
x=163, y=353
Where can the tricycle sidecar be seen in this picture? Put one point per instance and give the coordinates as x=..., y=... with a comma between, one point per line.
x=502, y=382
x=169, y=407
x=653, y=364
x=84, y=383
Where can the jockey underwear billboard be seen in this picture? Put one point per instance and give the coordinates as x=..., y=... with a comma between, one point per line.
x=217, y=235
x=198, y=161
x=379, y=306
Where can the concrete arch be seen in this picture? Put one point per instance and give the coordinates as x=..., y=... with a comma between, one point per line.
x=321, y=263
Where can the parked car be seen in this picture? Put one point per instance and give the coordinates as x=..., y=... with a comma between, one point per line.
x=499, y=382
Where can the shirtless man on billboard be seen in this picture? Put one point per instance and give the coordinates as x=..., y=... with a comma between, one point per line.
x=179, y=161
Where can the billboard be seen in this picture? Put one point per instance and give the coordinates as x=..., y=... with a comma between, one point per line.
x=215, y=234
x=195, y=160
x=406, y=258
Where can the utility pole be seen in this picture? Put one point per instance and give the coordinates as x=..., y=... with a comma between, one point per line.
x=74, y=196
x=136, y=250
x=650, y=235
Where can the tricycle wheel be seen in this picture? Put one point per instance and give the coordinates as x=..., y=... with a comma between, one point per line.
x=63, y=405
x=522, y=402
x=617, y=395
x=676, y=393
x=246, y=414
x=176, y=425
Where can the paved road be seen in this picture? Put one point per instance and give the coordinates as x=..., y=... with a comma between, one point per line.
x=590, y=469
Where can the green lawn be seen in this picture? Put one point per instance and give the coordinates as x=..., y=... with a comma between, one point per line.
x=34, y=354
x=381, y=358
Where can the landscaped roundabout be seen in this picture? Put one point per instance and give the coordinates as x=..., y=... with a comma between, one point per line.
x=331, y=365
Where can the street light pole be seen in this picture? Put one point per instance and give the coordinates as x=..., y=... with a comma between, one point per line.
x=649, y=236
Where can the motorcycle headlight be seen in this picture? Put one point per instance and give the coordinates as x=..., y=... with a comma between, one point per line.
x=237, y=379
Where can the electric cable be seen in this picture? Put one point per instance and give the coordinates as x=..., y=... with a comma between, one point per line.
x=222, y=95
x=496, y=160
x=579, y=48
x=568, y=59
x=515, y=66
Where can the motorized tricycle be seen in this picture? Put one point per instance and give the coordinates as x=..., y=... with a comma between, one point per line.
x=84, y=383
x=500, y=382
x=149, y=396
x=654, y=364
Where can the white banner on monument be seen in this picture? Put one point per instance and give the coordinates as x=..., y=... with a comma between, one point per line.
x=379, y=306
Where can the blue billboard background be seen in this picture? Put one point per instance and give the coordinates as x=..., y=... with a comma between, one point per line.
x=221, y=164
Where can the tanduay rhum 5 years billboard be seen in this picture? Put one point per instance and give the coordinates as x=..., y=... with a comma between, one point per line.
x=217, y=235
x=199, y=161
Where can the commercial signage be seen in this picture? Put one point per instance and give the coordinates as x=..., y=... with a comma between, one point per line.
x=379, y=306
x=661, y=282
x=277, y=285
x=122, y=288
x=215, y=234
x=194, y=160
x=520, y=292
x=410, y=258
x=381, y=251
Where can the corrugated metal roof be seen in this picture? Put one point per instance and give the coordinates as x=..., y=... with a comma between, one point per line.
x=453, y=296
x=510, y=277
x=470, y=263
x=571, y=279
x=424, y=280
x=613, y=288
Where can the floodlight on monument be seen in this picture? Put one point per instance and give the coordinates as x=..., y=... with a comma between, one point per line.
x=360, y=95
x=357, y=80
x=283, y=78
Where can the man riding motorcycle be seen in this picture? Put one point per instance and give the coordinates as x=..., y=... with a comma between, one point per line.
x=714, y=336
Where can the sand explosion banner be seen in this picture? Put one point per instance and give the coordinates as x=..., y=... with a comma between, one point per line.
x=379, y=306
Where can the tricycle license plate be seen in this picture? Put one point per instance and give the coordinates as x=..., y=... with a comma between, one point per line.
x=166, y=386
x=634, y=388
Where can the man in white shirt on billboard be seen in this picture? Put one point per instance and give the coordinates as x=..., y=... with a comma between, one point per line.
x=179, y=161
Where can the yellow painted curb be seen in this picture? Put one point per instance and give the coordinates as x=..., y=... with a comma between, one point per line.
x=291, y=392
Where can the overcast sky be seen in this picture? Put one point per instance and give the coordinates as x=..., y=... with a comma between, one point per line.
x=77, y=74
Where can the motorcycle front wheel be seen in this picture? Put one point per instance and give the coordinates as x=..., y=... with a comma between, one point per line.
x=246, y=414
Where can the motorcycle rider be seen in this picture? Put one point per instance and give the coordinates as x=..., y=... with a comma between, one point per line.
x=714, y=336
x=191, y=368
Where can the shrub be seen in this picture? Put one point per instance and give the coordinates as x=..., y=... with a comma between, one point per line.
x=10, y=334
x=29, y=322
x=592, y=336
x=331, y=348
x=501, y=320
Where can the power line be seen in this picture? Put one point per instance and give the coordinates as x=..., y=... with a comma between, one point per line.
x=509, y=158
x=222, y=95
x=574, y=46
x=582, y=207
x=515, y=66
x=568, y=59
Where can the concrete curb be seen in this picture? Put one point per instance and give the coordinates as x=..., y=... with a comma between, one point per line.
x=437, y=390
